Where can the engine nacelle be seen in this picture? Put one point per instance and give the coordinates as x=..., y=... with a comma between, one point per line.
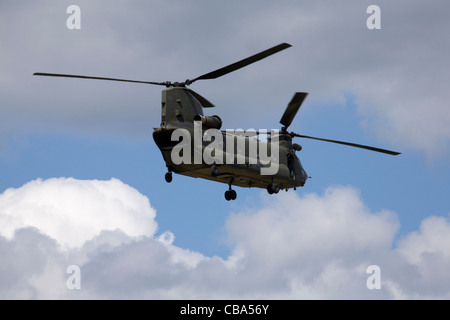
x=213, y=122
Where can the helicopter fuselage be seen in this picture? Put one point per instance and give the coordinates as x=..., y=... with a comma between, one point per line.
x=243, y=173
x=236, y=165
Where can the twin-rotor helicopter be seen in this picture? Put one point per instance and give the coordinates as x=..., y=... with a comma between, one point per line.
x=182, y=108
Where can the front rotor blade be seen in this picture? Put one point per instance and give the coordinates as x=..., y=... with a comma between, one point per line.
x=394, y=153
x=243, y=63
x=96, y=78
x=292, y=108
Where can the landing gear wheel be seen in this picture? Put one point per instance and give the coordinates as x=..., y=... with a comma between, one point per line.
x=230, y=195
x=168, y=177
x=273, y=188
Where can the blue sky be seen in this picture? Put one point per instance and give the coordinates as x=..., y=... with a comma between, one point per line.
x=384, y=88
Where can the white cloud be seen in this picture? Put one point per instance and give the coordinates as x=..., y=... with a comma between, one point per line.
x=292, y=247
x=432, y=238
x=74, y=211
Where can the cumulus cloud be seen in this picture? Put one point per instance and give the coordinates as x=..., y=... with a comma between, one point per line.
x=292, y=247
x=74, y=211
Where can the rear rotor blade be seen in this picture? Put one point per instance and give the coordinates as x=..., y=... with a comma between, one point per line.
x=242, y=63
x=394, y=153
x=292, y=108
x=203, y=101
x=96, y=78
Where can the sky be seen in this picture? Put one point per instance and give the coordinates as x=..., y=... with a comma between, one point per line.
x=82, y=181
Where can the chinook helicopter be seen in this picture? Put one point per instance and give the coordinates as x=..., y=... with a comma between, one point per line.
x=237, y=158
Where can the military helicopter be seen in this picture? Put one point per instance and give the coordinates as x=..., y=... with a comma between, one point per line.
x=233, y=160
